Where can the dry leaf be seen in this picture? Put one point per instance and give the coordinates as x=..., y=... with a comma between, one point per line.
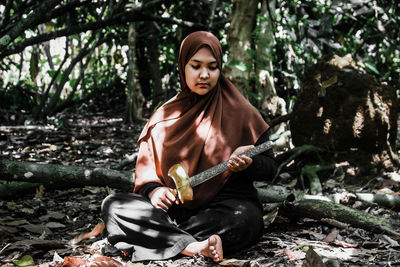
x=312, y=259
x=74, y=262
x=369, y=245
x=295, y=255
x=95, y=232
x=269, y=218
x=235, y=263
x=331, y=236
x=103, y=261
x=40, y=191
x=36, y=228
x=345, y=244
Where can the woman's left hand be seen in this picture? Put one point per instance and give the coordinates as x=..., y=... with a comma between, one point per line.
x=236, y=163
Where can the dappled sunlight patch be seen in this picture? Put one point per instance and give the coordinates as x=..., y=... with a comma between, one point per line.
x=327, y=126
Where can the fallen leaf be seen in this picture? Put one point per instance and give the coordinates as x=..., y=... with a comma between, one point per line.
x=235, y=263
x=36, y=228
x=57, y=259
x=95, y=232
x=103, y=261
x=40, y=191
x=269, y=218
x=345, y=244
x=134, y=264
x=389, y=242
x=15, y=222
x=28, y=211
x=74, y=262
x=295, y=255
x=38, y=243
x=92, y=189
x=53, y=215
x=385, y=190
x=8, y=229
x=389, y=183
x=26, y=260
x=331, y=236
x=53, y=225
x=369, y=245
x=317, y=236
x=331, y=81
x=312, y=259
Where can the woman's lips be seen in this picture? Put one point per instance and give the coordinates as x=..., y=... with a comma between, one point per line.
x=202, y=84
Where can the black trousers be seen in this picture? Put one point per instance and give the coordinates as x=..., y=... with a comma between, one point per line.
x=136, y=227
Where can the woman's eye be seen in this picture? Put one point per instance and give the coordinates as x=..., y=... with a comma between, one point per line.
x=195, y=67
x=213, y=68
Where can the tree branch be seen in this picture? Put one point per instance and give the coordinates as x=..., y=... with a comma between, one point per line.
x=23, y=24
x=6, y=13
x=118, y=19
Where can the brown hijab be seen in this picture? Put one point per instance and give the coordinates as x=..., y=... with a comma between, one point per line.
x=197, y=131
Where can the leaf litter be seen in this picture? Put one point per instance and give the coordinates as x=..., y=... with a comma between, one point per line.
x=64, y=228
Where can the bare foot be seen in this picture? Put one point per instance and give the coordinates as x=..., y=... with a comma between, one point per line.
x=214, y=248
x=210, y=248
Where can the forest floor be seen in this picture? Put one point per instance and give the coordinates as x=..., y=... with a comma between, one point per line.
x=58, y=227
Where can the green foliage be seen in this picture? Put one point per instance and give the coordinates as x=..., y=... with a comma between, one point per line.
x=304, y=32
x=18, y=97
x=309, y=31
x=34, y=64
x=26, y=260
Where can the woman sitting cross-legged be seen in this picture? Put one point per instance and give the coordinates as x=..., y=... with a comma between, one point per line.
x=208, y=122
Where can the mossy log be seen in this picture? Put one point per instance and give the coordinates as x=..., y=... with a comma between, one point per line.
x=15, y=188
x=320, y=210
x=60, y=176
x=269, y=195
x=27, y=176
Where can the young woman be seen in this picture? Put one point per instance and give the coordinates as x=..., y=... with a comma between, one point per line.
x=208, y=122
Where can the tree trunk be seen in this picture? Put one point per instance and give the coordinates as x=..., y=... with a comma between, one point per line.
x=270, y=104
x=243, y=21
x=86, y=51
x=134, y=96
x=154, y=30
x=154, y=66
x=64, y=176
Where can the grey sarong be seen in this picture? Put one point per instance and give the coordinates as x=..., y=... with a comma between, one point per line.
x=147, y=233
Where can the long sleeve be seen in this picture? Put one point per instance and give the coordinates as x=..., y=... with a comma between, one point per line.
x=264, y=165
x=146, y=176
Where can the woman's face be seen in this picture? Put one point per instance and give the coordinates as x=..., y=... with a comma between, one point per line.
x=201, y=72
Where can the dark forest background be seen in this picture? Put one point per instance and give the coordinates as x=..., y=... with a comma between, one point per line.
x=58, y=55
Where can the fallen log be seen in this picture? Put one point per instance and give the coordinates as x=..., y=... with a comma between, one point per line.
x=383, y=200
x=15, y=188
x=320, y=210
x=62, y=176
x=31, y=175
x=130, y=159
x=324, y=208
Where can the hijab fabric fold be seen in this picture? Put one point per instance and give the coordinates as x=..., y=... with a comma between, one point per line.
x=196, y=131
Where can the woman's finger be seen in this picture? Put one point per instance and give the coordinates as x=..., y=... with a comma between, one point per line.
x=162, y=206
x=170, y=196
x=247, y=160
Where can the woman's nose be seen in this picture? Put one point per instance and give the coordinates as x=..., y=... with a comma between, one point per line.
x=204, y=73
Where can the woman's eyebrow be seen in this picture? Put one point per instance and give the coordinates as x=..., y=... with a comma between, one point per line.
x=199, y=61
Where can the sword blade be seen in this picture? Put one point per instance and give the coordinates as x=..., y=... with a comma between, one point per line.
x=223, y=166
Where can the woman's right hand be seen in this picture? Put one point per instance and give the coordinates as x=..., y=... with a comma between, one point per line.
x=163, y=198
